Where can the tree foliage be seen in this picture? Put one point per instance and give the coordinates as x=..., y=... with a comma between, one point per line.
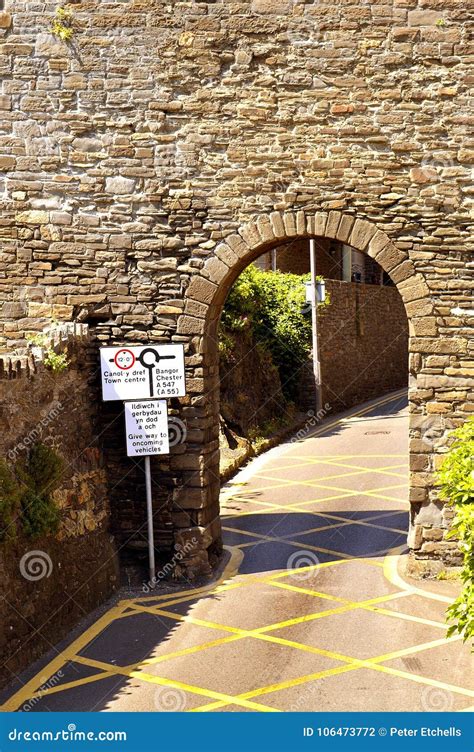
x=456, y=478
x=272, y=306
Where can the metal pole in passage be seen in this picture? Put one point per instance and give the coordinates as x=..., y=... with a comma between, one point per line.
x=149, y=509
x=314, y=317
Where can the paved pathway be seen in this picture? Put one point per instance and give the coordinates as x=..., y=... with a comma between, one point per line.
x=310, y=612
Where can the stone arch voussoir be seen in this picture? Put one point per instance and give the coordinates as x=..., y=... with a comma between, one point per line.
x=209, y=287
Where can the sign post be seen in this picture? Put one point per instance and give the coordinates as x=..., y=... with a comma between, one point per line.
x=146, y=427
x=314, y=318
x=138, y=376
x=149, y=514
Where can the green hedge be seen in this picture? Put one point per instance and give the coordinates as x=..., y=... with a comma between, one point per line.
x=456, y=478
x=271, y=305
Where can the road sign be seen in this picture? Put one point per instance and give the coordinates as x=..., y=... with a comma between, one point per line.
x=146, y=426
x=130, y=373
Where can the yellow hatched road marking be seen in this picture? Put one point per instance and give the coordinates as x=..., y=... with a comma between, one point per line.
x=356, y=664
x=228, y=699
x=23, y=694
x=221, y=699
x=282, y=685
x=358, y=470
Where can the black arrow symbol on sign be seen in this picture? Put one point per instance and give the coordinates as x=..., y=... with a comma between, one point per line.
x=149, y=358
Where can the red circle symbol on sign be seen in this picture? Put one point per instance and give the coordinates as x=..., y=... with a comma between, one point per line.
x=124, y=359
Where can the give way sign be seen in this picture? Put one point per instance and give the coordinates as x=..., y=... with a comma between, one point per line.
x=132, y=373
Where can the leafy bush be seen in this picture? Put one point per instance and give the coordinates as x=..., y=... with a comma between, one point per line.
x=43, y=469
x=39, y=514
x=271, y=305
x=27, y=491
x=9, y=500
x=456, y=478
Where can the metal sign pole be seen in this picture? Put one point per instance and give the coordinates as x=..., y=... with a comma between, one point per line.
x=314, y=317
x=149, y=508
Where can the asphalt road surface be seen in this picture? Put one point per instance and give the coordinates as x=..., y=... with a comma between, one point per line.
x=309, y=613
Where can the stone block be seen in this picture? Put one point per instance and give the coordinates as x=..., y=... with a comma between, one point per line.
x=424, y=17
x=119, y=185
x=250, y=235
x=361, y=234
x=201, y=289
x=265, y=229
x=277, y=225
x=216, y=270
x=32, y=217
x=190, y=325
x=334, y=218
x=319, y=224
x=225, y=253
x=344, y=229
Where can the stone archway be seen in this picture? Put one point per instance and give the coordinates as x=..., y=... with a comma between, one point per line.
x=204, y=299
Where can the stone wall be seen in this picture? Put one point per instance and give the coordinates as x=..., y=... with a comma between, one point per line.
x=363, y=340
x=170, y=144
x=76, y=569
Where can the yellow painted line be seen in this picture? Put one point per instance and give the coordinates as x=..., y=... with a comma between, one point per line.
x=407, y=617
x=425, y=680
x=359, y=471
x=282, y=685
x=28, y=689
x=73, y=684
x=228, y=699
x=415, y=649
x=354, y=665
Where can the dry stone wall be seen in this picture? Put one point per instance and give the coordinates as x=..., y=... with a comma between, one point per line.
x=48, y=583
x=170, y=143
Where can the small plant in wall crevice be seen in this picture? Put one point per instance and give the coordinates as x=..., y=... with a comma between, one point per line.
x=62, y=25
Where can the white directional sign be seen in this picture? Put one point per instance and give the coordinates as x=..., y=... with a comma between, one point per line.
x=146, y=425
x=142, y=372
